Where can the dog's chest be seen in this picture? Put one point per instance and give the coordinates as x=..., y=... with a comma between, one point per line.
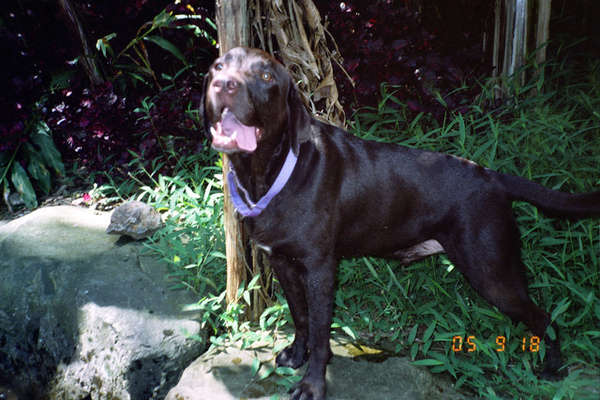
x=278, y=236
x=264, y=234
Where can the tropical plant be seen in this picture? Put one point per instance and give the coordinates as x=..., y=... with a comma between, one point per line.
x=134, y=60
x=30, y=158
x=148, y=106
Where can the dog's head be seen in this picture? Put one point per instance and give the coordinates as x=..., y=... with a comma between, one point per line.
x=249, y=98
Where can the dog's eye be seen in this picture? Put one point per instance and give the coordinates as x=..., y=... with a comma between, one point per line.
x=266, y=76
x=218, y=66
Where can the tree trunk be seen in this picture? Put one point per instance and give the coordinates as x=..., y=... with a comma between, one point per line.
x=233, y=23
x=510, y=36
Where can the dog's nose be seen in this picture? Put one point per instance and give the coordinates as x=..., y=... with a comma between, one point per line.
x=225, y=84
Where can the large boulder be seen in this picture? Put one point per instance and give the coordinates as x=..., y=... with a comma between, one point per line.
x=86, y=315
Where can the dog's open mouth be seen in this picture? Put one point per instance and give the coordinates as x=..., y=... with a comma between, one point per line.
x=231, y=135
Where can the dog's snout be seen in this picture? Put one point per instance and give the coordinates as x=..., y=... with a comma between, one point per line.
x=225, y=84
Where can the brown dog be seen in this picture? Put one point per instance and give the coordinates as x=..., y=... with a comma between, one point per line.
x=326, y=195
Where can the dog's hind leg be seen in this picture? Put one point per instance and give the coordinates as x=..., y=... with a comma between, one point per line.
x=511, y=297
x=487, y=252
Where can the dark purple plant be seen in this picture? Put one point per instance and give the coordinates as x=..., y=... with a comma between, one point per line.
x=384, y=42
x=105, y=128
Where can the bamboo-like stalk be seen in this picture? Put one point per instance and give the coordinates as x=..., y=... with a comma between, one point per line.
x=514, y=24
x=303, y=44
x=543, y=29
x=88, y=61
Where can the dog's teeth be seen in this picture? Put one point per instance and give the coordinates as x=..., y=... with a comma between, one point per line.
x=213, y=131
x=232, y=137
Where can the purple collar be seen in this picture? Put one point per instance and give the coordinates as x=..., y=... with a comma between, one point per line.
x=250, y=209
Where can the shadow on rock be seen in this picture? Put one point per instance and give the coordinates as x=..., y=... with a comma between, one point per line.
x=84, y=314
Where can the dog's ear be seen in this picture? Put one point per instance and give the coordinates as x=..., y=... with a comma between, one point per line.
x=203, y=115
x=299, y=120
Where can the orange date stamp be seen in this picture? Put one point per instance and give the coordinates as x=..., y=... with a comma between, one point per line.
x=530, y=344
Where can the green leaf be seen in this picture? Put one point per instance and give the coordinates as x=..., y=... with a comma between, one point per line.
x=36, y=167
x=166, y=45
x=255, y=367
x=267, y=373
x=253, y=283
x=427, y=362
x=163, y=19
x=429, y=331
x=414, y=350
x=103, y=46
x=41, y=138
x=5, y=158
x=412, y=335
x=38, y=171
x=285, y=371
x=370, y=266
x=3, y=173
x=350, y=332
x=560, y=308
x=23, y=185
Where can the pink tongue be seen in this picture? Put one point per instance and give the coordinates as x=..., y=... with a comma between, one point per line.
x=246, y=135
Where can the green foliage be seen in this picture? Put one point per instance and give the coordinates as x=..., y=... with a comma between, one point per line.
x=40, y=159
x=134, y=62
x=192, y=240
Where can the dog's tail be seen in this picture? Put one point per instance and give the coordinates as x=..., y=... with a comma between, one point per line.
x=551, y=202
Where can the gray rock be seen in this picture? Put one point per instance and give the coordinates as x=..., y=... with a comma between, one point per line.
x=225, y=373
x=84, y=315
x=124, y=354
x=135, y=219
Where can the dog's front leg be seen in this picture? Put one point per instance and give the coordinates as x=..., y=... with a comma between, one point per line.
x=308, y=288
x=296, y=354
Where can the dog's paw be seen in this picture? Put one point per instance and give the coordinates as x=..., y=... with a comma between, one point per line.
x=305, y=390
x=293, y=356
